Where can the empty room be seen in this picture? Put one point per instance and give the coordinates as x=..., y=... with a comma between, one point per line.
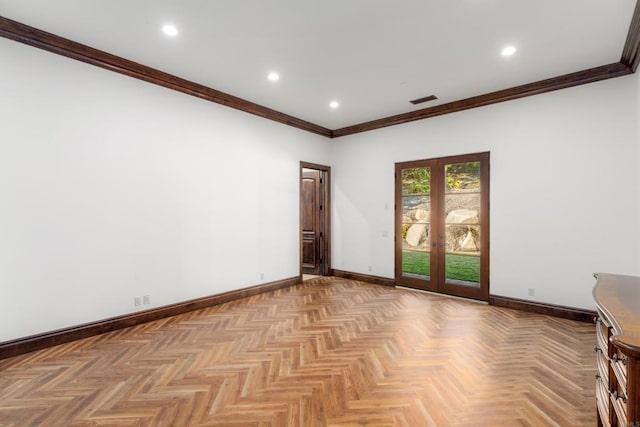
x=336, y=213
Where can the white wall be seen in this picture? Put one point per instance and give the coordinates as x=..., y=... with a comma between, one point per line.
x=564, y=188
x=112, y=188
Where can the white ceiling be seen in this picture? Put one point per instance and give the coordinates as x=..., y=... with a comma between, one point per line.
x=373, y=56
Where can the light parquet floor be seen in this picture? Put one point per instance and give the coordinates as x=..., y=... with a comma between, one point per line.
x=327, y=352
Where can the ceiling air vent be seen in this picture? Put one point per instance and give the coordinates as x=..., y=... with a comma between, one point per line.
x=425, y=99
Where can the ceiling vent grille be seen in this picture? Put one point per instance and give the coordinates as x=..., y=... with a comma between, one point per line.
x=425, y=99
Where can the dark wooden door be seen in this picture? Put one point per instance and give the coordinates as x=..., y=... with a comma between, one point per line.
x=311, y=205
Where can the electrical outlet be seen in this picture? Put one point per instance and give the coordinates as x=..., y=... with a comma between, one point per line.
x=146, y=299
x=261, y=276
x=370, y=269
x=137, y=301
x=385, y=234
x=532, y=292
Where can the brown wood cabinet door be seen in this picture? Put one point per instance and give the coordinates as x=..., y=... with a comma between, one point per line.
x=311, y=204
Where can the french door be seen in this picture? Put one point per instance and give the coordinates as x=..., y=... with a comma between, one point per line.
x=442, y=225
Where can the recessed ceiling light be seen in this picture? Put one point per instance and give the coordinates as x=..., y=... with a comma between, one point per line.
x=508, y=51
x=274, y=77
x=334, y=104
x=170, y=30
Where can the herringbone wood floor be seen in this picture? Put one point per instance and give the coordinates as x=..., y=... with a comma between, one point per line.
x=327, y=352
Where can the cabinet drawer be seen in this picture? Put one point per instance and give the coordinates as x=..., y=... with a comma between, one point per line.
x=602, y=332
x=603, y=366
x=603, y=319
x=602, y=401
x=619, y=400
x=619, y=366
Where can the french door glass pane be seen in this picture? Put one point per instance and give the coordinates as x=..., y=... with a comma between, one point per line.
x=462, y=223
x=416, y=222
x=462, y=177
x=416, y=181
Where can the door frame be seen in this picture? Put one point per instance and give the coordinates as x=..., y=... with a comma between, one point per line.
x=437, y=282
x=325, y=242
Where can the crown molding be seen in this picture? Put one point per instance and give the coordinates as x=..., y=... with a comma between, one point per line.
x=26, y=34
x=591, y=75
x=631, y=50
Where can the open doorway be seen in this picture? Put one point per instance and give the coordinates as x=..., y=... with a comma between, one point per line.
x=315, y=220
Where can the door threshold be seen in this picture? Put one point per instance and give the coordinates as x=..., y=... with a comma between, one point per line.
x=407, y=288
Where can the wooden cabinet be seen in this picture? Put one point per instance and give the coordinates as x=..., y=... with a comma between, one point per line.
x=617, y=349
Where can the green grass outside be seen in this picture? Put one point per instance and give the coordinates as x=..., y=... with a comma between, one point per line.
x=457, y=267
